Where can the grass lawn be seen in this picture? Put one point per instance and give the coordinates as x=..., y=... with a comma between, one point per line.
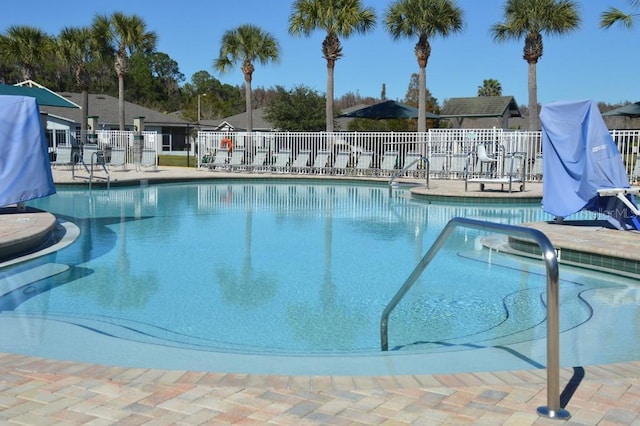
x=177, y=160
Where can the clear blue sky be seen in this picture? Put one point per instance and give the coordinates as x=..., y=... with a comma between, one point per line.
x=589, y=64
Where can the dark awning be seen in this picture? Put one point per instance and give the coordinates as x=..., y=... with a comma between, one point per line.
x=630, y=110
x=387, y=110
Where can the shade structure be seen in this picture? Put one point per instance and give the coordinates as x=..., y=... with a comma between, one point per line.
x=45, y=97
x=387, y=110
x=630, y=110
x=25, y=171
x=581, y=158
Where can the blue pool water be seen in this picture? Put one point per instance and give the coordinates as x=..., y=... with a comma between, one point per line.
x=167, y=275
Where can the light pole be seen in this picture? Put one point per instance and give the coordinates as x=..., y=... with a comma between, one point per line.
x=199, y=95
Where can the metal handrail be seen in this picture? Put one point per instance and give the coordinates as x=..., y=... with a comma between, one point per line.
x=406, y=167
x=98, y=156
x=553, y=409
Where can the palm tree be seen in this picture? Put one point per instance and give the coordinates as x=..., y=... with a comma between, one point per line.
x=26, y=46
x=247, y=44
x=423, y=19
x=125, y=35
x=613, y=15
x=339, y=18
x=530, y=19
x=77, y=47
x=490, y=87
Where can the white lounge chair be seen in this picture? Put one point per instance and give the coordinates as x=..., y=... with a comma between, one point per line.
x=437, y=164
x=282, y=160
x=388, y=164
x=64, y=156
x=221, y=159
x=412, y=164
x=321, y=162
x=363, y=166
x=536, y=171
x=459, y=165
x=118, y=158
x=93, y=158
x=635, y=173
x=236, y=162
x=149, y=159
x=259, y=159
x=342, y=162
x=300, y=164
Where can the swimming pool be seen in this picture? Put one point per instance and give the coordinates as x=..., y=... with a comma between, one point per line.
x=292, y=278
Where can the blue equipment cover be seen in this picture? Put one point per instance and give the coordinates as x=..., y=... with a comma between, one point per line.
x=25, y=169
x=580, y=157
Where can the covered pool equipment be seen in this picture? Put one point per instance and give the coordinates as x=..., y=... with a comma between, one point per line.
x=583, y=168
x=25, y=170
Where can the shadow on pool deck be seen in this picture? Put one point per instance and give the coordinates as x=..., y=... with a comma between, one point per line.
x=46, y=391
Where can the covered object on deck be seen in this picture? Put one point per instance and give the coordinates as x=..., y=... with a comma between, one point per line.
x=583, y=168
x=25, y=170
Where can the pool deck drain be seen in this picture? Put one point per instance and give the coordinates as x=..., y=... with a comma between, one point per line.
x=37, y=391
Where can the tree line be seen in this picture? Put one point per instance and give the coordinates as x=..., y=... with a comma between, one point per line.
x=118, y=50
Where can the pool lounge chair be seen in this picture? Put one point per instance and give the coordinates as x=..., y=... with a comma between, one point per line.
x=236, y=162
x=301, y=163
x=363, y=166
x=64, y=156
x=459, y=165
x=437, y=164
x=635, y=173
x=221, y=160
x=388, y=165
x=536, y=171
x=259, y=159
x=118, y=158
x=149, y=159
x=341, y=163
x=321, y=162
x=413, y=164
x=513, y=174
x=93, y=158
x=282, y=160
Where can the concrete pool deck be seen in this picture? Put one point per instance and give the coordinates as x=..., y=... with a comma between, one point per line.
x=37, y=391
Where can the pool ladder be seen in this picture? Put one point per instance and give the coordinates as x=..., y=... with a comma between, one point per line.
x=393, y=183
x=97, y=158
x=553, y=408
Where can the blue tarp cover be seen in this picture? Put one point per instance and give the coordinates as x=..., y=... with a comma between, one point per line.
x=580, y=157
x=25, y=170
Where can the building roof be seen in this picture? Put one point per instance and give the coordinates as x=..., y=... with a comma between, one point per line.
x=44, y=96
x=105, y=107
x=238, y=122
x=480, y=106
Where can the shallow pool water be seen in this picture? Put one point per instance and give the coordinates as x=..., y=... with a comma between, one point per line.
x=283, y=269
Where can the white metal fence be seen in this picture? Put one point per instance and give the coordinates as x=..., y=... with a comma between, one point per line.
x=451, y=152
x=442, y=147
x=107, y=141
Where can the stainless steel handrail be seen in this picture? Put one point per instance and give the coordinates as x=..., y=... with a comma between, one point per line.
x=401, y=172
x=553, y=409
x=98, y=156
